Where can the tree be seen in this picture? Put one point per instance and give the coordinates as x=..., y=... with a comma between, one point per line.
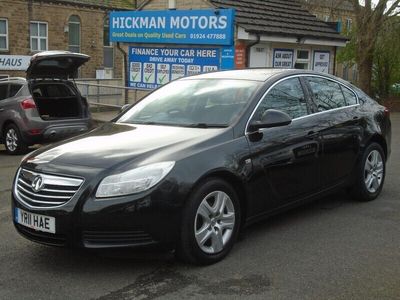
x=370, y=21
x=386, y=65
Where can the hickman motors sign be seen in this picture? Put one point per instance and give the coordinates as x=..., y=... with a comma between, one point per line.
x=14, y=62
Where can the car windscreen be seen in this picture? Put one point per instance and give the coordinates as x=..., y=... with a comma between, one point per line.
x=193, y=103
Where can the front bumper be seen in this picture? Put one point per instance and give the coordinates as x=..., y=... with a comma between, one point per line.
x=132, y=221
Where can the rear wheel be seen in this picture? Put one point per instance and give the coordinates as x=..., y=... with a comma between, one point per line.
x=370, y=174
x=13, y=140
x=210, y=223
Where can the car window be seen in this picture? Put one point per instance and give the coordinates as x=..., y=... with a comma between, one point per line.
x=24, y=91
x=327, y=94
x=286, y=96
x=14, y=88
x=350, y=97
x=3, y=91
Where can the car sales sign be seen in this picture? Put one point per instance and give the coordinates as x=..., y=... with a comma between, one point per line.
x=200, y=27
x=151, y=67
x=14, y=62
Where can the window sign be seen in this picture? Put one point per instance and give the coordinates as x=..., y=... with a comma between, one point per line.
x=283, y=58
x=201, y=27
x=228, y=58
x=321, y=61
x=151, y=67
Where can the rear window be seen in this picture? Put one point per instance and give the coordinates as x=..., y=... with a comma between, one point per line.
x=3, y=91
x=351, y=98
x=14, y=88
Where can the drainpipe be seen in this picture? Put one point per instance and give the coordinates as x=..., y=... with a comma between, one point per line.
x=125, y=57
x=334, y=61
x=126, y=73
x=248, y=48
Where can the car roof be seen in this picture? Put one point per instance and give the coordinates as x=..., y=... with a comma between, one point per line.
x=244, y=74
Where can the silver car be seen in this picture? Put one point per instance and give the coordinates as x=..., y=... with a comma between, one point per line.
x=46, y=106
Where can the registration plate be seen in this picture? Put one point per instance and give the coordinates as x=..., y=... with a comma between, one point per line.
x=35, y=221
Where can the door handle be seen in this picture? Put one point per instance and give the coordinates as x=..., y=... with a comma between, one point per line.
x=1, y=109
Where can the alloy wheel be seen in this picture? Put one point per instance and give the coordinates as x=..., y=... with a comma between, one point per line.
x=11, y=139
x=373, y=171
x=214, y=222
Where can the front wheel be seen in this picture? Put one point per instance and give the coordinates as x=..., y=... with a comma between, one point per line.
x=210, y=223
x=370, y=174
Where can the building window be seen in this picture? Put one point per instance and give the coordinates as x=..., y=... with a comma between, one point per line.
x=3, y=34
x=348, y=24
x=38, y=36
x=74, y=34
x=302, y=59
x=108, y=49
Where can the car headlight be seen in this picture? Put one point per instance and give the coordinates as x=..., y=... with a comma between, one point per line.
x=134, y=181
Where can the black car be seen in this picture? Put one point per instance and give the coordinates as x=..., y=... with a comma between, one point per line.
x=202, y=157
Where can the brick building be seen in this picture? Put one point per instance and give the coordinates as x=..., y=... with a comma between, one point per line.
x=29, y=26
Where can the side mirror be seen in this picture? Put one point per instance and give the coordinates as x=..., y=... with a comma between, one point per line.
x=124, y=108
x=271, y=118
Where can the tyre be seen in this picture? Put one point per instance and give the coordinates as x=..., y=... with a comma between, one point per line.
x=13, y=140
x=210, y=223
x=370, y=174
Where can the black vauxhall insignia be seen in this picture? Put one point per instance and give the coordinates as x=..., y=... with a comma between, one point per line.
x=201, y=157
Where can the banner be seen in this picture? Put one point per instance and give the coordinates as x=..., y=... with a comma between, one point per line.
x=14, y=62
x=151, y=67
x=200, y=27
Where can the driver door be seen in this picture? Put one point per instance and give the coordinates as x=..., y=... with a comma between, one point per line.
x=285, y=158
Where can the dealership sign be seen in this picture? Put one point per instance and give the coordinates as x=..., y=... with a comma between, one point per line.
x=14, y=62
x=283, y=59
x=201, y=27
x=151, y=67
x=321, y=61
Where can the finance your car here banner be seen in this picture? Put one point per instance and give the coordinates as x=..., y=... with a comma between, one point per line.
x=200, y=27
x=150, y=67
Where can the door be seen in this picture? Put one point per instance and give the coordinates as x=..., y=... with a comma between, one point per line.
x=3, y=97
x=285, y=159
x=340, y=129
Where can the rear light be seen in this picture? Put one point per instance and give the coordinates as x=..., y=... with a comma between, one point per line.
x=386, y=111
x=28, y=103
x=34, y=131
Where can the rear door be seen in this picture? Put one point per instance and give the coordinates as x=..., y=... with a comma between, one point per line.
x=340, y=130
x=285, y=159
x=8, y=102
x=3, y=97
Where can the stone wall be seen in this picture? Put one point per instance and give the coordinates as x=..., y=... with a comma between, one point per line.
x=20, y=13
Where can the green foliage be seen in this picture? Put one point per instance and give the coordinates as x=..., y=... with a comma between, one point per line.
x=347, y=55
x=386, y=69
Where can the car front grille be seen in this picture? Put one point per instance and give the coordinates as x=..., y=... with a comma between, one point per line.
x=43, y=190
